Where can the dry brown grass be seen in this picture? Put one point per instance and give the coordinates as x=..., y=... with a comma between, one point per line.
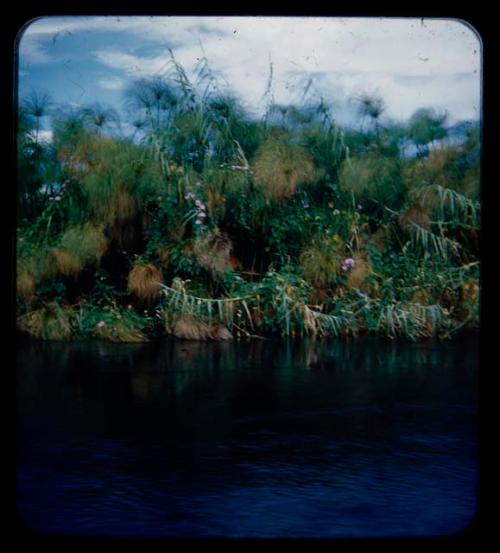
x=439, y=159
x=163, y=255
x=358, y=275
x=187, y=327
x=379, y=238
x=433, y=169
x=120, y=331
x=469, y=292
x=415, y=215
x=321, y=261
x=421, y=296
x=124, y=206
x=213, y=252
x=280, y=166
x=25, y=285
x=87, y=243
x=51, y=322
x=143, y=281
x=68, y=264
x=215, y=203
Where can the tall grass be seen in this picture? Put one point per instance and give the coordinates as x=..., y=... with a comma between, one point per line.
x=280, y=166
x=289, y=225
x=374, y=177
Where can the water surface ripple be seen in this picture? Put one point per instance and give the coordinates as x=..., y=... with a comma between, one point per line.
x=262, y=439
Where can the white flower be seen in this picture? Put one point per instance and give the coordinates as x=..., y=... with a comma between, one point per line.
x=57, y=198
x=100, y=324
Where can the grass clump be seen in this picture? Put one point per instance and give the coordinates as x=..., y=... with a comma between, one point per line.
x=25, y=284
x=67, y=263
x=280, y=166
x=213, y=251
x=111, y=323
x=87, y=243
x=50, y=322
x=373, y=177
x=187, y=327
x=321, y=261
x=358, y=275
x=143, y=281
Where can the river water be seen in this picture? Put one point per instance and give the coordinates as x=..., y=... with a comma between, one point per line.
x=252, y=439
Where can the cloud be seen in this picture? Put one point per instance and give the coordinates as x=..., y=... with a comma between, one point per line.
x=410, y=62
x=130, y=64
x=32, y=51
x=45, y=136
x=111, y=83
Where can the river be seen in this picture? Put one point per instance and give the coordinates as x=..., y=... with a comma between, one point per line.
x=247, y=439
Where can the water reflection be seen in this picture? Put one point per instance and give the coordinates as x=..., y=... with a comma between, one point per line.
x=263, y=438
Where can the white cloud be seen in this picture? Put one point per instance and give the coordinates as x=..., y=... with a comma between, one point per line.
x=408, y=61
x=45, y=136
x=111, y=83
x=130, y=64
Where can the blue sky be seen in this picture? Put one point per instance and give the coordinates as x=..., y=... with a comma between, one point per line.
x=411, y=63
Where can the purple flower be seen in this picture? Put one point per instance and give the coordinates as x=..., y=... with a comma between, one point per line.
x=348, y=263
x=202, y=214
x=100, y=324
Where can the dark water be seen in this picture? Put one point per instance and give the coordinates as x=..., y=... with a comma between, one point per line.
x=262, y=439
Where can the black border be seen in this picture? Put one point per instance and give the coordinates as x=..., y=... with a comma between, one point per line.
x=483, y=23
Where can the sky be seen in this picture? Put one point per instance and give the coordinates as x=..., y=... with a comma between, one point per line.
x=411, y=63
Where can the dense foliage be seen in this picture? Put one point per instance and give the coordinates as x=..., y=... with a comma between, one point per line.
x=205, y=223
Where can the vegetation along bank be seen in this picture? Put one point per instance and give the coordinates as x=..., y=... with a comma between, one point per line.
x=194, y=219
